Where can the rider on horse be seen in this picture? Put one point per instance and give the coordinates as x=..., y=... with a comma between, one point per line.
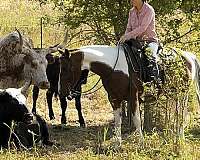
x=141, y=26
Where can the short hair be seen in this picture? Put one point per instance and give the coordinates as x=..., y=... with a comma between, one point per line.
x=144, y=0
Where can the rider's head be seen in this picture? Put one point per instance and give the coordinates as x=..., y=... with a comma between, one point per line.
x=138, y=3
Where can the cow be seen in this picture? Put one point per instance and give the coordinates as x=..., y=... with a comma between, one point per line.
x=28, y=128
x=20, y=62
x=53, y=70
x=12, y=108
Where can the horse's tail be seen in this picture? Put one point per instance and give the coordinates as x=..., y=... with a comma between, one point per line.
x=195, y=71
x=197, y=78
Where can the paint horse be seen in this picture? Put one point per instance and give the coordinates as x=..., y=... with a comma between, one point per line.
x=111, y=65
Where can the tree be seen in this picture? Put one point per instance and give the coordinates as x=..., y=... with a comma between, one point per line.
x=104, y=21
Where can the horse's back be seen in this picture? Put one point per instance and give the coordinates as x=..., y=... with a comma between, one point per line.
x=112, y=56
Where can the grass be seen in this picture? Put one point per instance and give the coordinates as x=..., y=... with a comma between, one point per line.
x=84, y=143
x=90, y=142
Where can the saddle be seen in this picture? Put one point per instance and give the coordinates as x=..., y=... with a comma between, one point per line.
x=138, y=60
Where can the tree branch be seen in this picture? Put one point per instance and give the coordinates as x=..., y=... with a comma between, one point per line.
x=169, y=40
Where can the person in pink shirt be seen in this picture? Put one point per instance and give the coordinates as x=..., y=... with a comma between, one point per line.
x=141, y=26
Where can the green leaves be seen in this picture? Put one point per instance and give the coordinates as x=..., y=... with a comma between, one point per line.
x=106, y=20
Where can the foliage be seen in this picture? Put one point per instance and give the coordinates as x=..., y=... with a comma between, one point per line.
x=169, y=113
x=100, y=21
x=26, y=16
x=105, y=21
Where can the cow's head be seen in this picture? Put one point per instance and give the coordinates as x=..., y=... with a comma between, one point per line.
x=35, y=65
x=13, y=104
x=35, y=62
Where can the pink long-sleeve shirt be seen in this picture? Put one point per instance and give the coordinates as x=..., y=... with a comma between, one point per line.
x=141, y=24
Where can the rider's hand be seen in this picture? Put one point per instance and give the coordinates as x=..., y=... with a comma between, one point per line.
x=122, y=39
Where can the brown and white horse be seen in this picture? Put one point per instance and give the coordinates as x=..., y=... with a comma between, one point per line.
x=111, y=65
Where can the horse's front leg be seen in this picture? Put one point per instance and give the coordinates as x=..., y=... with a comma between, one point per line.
x=118, y=123
x=117, y=110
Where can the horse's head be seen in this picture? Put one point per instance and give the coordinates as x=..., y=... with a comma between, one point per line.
x=70, y=71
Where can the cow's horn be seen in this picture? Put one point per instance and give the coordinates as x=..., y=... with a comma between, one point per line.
x=20, y=38
x=61, y=45
x=65, y=40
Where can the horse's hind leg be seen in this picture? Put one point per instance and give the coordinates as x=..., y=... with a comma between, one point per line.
x=78, y=107
x=35, y=97
x=185, y=117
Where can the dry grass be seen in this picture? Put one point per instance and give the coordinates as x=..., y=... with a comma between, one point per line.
x=89, y=143
x=75, y=142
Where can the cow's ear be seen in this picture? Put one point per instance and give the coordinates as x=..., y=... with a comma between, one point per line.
x=64, y=54
x=28, y=59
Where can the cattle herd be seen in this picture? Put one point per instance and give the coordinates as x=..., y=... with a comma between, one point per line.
x=20, y=66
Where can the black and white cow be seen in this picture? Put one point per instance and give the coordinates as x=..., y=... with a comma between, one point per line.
x=53, y=70
x=27, y=127
x=12, y=108
x=27, y=135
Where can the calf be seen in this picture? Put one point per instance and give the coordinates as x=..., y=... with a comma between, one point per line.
x=28, y=128
x=53, y=70
x=12, y=108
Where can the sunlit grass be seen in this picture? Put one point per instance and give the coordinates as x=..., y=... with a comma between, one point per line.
x=88, y=143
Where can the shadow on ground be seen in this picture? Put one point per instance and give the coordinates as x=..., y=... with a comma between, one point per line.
x=72, y=138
